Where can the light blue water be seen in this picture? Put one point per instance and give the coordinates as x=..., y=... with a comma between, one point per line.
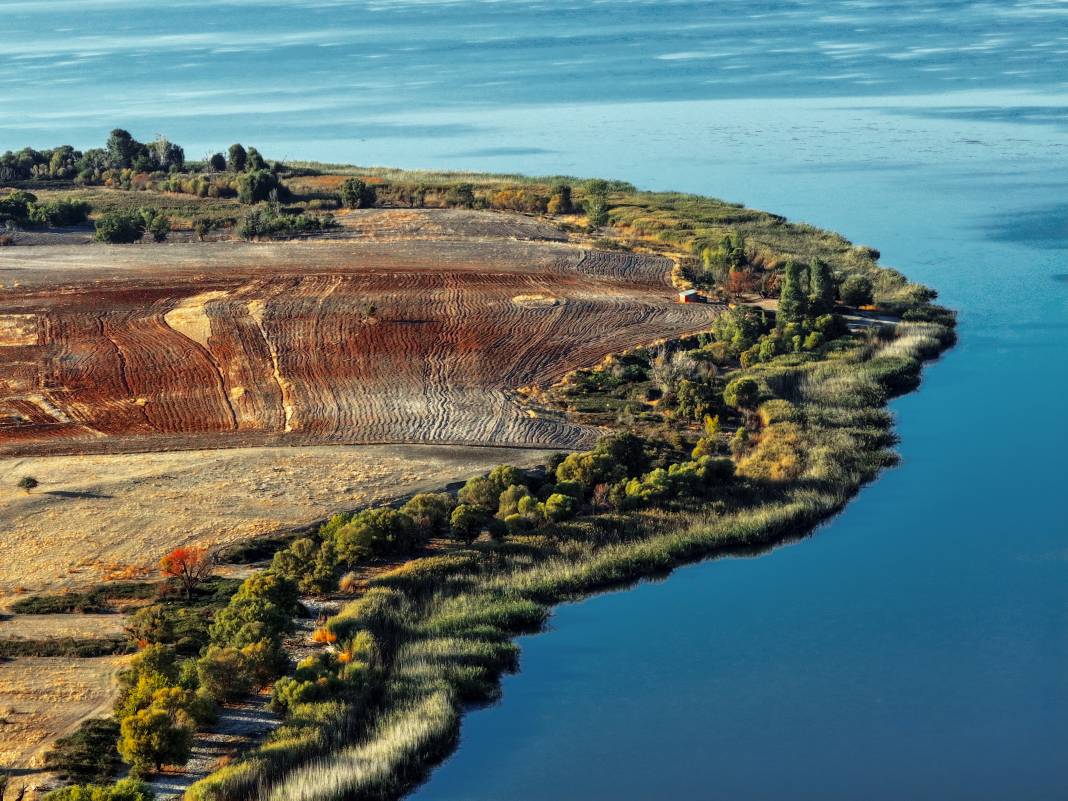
x=918, y=646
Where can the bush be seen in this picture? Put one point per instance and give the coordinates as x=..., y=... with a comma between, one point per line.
x=357, y=194
x=156, y=223
x=857, y=290
x=62, y=212
x=742, y=393
x=119, y=228
x=224, y=673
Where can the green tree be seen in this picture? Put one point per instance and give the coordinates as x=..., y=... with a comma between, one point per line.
x=217, y=162
x=822, y=289
x=739, y=327
x=27, y=484
x=430, y=511
x=559, y=506
x=857, y=290
x=742, y=393
x=156, y=736
x=509, y=500
x=466, y=522
x=256, y=186
x=793, y=295
x=238, y=158
x=376, y=532
x=122, y=149
x=255, y=161
x=356, y=193
x=224, y=673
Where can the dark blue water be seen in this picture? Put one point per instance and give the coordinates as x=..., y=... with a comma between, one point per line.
x=917, y=647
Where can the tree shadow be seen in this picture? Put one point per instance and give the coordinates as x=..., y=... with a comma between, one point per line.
x=84, y=494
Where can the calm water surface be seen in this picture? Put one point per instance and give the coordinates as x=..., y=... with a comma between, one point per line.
x=917, y=647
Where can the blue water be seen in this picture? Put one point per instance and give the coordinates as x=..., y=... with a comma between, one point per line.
x=917, y=647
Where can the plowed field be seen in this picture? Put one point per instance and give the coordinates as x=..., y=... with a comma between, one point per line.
x=406, y=327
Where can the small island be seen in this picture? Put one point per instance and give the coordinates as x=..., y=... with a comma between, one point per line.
x=385, y=420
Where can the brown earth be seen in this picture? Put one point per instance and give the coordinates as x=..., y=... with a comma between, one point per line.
x=406, y=327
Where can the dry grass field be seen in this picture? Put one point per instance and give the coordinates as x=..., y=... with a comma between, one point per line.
x=44, y=698
x=115, y=515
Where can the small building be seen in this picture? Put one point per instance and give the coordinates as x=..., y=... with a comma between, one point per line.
x=691, y=296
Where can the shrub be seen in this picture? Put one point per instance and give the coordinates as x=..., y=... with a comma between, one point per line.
x=156, y=223
x=27, y=484
x=857, y=290
x=238, y=158
x=119, y=228
x=123, y=790
x=62, y=212
x=742, y=393
x=217, y=162
x=559, y=506
x=509, y=500
x=356, y=193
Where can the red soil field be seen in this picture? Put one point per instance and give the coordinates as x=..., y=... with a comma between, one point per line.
x=405, y=327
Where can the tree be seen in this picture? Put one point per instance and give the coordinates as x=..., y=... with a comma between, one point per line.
x=256, y=186
x=509, y=500
x=189, y=566
x=238, y=158
x=596, y=212
x=559, y=506
x=857, y=290
x=356, y=193
x=742, y=393
x=223, y=672
x=466, y=522
x=793, y=296
x=822, y=290
x=119, y=228
x=28, y=483
x=430, y=511
x=154, y=737
x=217, y=162
x=376, y=532
x=156, y=223
x=255, y=160
x=123, y=149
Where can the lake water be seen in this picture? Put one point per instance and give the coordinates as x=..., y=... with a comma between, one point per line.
x=917, y=647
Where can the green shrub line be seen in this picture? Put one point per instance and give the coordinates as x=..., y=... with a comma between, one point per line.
x=70, y=647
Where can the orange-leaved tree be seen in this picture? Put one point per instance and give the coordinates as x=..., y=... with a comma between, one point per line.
x=188, y=566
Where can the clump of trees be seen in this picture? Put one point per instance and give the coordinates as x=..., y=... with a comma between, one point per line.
x=22, y=209
x=125, y=227
x=270, y=222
